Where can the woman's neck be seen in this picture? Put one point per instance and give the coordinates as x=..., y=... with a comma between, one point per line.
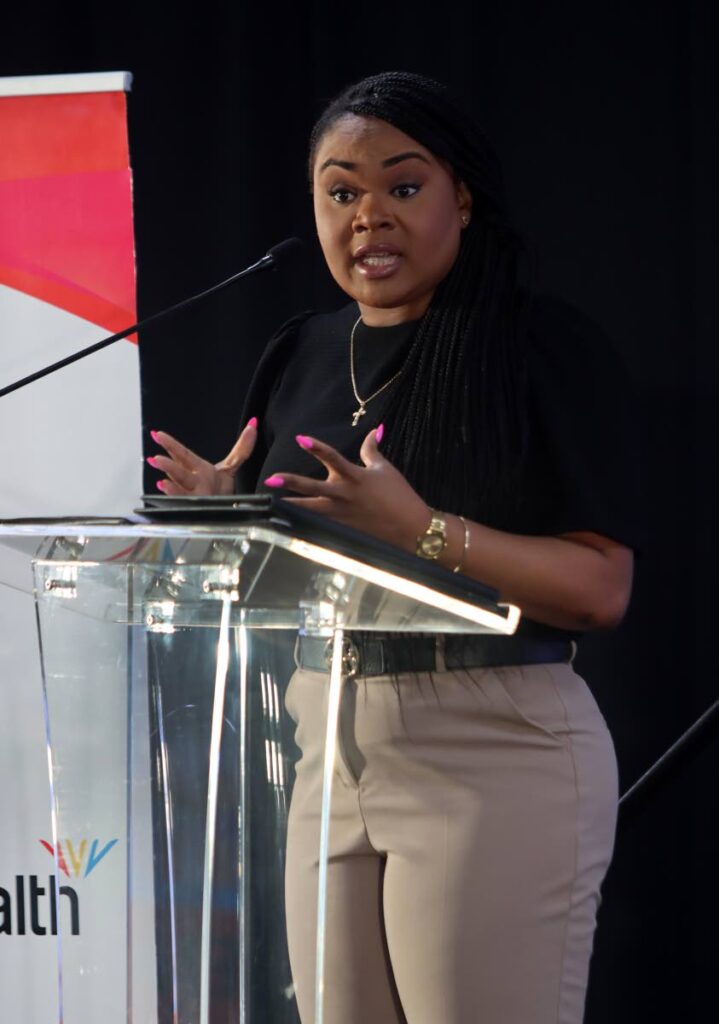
x=374, y=316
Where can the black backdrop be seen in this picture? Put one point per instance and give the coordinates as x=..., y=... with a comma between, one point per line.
x=602, y=113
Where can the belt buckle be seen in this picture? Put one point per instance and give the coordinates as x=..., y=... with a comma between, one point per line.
x=350, y=657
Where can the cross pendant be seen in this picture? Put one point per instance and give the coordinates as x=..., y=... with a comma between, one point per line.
x=356, y=415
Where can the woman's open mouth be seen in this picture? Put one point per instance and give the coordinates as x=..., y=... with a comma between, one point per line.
x=377, y=261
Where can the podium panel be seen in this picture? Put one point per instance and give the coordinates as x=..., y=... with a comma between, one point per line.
x=167, y=652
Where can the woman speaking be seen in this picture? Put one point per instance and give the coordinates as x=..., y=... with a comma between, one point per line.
x=450, y=411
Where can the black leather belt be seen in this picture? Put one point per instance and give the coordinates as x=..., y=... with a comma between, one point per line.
x=369, y=654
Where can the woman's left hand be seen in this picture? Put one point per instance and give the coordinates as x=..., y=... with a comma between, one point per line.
x=373, y=497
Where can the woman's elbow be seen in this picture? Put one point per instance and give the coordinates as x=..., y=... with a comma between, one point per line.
x=607, y=614
x=607, y=604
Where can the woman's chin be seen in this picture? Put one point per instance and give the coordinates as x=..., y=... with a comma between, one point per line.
x=386, y=294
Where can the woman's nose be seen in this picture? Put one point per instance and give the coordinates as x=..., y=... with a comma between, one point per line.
x=371, y=213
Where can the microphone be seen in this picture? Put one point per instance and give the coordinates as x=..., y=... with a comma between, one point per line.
x=274, y=256
x=282, y=251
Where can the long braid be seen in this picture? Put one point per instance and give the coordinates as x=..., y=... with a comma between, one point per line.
x=456, y=419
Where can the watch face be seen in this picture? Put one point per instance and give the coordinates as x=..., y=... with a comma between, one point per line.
x=432, y=545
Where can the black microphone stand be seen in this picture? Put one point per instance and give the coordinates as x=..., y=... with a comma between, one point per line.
x=680, y=745
x=268, y=262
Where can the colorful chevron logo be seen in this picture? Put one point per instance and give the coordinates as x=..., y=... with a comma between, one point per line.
x=78, y=859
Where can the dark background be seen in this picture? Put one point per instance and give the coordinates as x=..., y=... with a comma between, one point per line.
x=604, y=115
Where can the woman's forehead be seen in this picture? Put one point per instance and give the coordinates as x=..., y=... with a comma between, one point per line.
x=364, y=140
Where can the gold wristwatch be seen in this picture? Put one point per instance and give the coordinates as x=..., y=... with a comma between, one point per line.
x=433, y=541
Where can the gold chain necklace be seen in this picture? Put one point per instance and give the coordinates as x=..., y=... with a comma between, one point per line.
x=363, y=402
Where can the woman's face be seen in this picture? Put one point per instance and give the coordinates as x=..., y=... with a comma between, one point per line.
x=388, y=215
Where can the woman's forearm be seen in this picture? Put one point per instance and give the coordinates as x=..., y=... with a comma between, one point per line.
x=575, y=581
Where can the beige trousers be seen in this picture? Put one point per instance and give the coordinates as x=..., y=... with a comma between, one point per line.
x=473, y=822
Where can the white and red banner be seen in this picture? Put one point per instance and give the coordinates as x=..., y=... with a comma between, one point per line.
x=69, y=443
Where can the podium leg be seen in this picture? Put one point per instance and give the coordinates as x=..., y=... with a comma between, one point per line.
x=213, y=778
x=333, y=707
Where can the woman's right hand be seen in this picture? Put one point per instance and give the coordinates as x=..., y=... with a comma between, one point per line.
x=188, y=473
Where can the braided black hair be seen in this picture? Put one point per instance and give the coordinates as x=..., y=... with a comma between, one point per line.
x=460, y=402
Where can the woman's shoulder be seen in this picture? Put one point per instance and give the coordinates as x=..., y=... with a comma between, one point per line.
x=325, y=326
x=310, y=323
x=558, y=327
x=583, y=424
x=325, y=319
x=565, y=340
x=288, y=332
x=290, y=340
x=572, y=361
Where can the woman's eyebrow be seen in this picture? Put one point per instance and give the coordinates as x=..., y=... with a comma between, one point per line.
x=409, y=155
x=347, y=165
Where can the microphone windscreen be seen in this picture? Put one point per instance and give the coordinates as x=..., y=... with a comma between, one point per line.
x=282, y=250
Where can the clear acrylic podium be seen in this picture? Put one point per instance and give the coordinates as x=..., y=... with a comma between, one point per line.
x=166, y=650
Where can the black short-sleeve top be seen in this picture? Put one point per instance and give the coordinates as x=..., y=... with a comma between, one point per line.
x=581, y=469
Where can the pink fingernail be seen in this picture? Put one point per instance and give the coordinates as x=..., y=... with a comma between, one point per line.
x=161, y=485
x=303, y=441
x=275, y=481
x=154, y=436
x=152, y=461
x=252, y=422
x=379, y=433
